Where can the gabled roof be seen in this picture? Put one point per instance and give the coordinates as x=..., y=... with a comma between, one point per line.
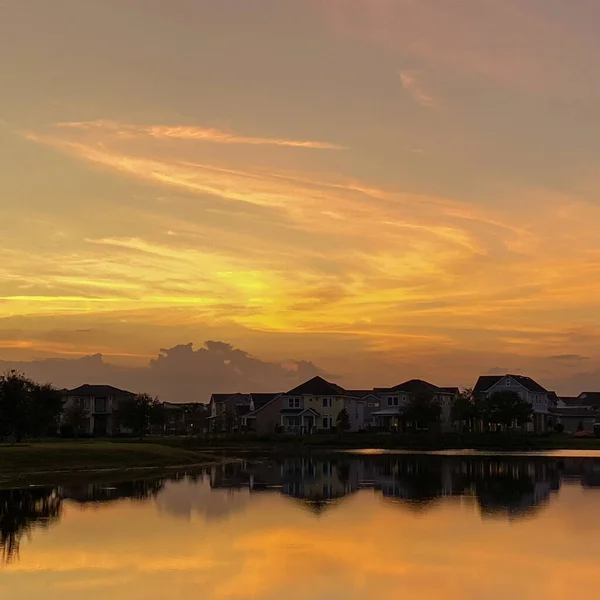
x=97, y=390
x=261, y=399
x=589, y=399
x=412, y=386
x=570, y=400
x=225, y=397
x=485, y=382
x=317, y=386
x=449, y=390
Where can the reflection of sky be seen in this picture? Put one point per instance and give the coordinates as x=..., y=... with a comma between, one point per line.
x=363, y=548
x=183, y=500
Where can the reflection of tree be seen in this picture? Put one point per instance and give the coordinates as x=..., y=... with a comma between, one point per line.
x=135, y=490
x=20, y=512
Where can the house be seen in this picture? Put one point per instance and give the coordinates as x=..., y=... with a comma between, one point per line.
x=315, y=406
x=540, y=399
x=227, y=410
x=371, y=403
x=394, y=399
x=99, y=403
x=264, y=415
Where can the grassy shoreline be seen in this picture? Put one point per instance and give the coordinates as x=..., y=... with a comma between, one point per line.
x=50, y=460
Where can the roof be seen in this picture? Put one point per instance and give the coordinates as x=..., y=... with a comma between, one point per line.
x=412, y=386
x=317, y=386
x=297, y=411
x=570, y=400
x=97, y=390
x=261, y=399
x=387, y=412
x=485, y=382
x=589, y=398
x=359, y=393
x=449, y=390
x=225, y=397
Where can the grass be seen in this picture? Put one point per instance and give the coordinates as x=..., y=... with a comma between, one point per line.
x=21, y=460
x=67, y=457
x=416, y=441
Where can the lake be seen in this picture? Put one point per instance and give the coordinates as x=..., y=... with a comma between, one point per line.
x=353, y=526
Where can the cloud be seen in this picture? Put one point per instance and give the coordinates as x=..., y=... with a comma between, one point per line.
x=510, y=43
x=191, y=133
x=569, y=357
x=179, y=374
x=412, y=84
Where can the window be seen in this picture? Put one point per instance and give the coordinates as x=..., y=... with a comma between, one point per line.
x=370, y=404
x=396, y=401
x=327, y=403
x=294, y=402
x=376, y=403
x=390, y=400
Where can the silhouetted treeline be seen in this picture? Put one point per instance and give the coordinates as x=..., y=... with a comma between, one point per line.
x=27, y=408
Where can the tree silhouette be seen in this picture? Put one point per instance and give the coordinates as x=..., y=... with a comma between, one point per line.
x=27, y=408
x=139, y=412
x=507, y=407
x=343, y=421
x=464, y=409
x=423, y=410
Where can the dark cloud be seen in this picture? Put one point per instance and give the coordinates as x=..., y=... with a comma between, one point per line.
x=574, y=357
x=178, y=374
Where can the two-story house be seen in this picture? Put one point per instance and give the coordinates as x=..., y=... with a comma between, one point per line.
x=99, y=403
x=540, y=398
x=227, y=411
x=315, y=406
x=393, y=400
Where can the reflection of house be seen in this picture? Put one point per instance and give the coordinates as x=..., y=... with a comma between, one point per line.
x=99, y=403
x=540, y=399
x=394, y=399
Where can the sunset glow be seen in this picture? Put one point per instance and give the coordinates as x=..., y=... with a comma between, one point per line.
x=387, y=189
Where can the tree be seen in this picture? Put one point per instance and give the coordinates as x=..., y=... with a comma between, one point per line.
x=423, y=410
x=75, y=418
x=464, y=409
x=507, y=407
x=139, y=412
x=342, y=422
x=196, y=417
x=27, y=408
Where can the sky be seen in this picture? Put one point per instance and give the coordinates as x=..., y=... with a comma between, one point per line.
x=374, y=190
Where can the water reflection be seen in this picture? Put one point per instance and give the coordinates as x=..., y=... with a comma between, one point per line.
x=502, y=487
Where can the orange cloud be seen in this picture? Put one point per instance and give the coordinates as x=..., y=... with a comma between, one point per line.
x=199, y=134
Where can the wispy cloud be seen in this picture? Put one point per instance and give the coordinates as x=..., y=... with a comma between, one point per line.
x=410, y=80
x=199, y=134
x=569, y=357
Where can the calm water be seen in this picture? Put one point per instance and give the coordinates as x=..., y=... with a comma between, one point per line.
x=391, y=526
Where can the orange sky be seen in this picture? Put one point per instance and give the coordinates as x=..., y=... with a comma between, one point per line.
x=387, y=188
